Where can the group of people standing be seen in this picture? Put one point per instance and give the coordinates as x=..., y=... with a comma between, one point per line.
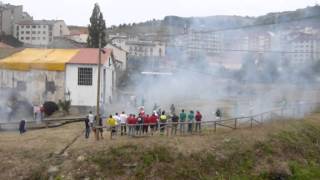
x=145, y=124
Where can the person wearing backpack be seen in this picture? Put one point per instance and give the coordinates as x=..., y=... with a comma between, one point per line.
x=198, y=121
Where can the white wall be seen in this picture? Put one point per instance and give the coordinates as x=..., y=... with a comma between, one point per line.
x=60, y=29
x=119, y=55
x=87, y=95
x=35, y=81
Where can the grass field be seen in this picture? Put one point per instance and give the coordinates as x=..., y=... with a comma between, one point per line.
x=278, y=149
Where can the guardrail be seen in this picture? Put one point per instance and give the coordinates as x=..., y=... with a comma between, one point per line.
x=290, y=111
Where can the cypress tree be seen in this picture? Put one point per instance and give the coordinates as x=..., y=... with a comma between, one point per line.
x=97, y=26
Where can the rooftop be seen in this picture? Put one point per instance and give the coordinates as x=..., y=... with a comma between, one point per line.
x=90, y=56
x=39, y=22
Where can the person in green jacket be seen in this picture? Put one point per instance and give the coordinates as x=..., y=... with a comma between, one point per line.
x=183, y=117
x=190, y=121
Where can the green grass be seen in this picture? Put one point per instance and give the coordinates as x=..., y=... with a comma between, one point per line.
x=233, y=160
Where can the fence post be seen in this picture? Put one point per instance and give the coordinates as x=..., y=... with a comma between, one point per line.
x=235, y=123
x=215, y=126
x=251, y=125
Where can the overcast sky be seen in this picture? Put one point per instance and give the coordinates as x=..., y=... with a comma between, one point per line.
x=77, y=12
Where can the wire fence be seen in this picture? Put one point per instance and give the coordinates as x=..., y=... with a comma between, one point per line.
x=169, y=128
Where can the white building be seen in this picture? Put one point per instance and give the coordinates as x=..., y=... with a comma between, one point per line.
x=82, y=78
x=41, y=75
x=9, y=15
x=204, y=42
x=40, y=32
x=120, y=55
x=137, y=47
x=304, y=49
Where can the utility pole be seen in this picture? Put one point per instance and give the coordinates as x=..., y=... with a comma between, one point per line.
x=98, y=91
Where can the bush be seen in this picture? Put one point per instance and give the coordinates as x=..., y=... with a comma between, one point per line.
x=50, y=107
x=65, y=105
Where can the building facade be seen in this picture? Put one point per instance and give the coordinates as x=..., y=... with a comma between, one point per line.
x=304, y=49
x=9, y=15
x=40, y=32
x=41, y=75
x=139, y=48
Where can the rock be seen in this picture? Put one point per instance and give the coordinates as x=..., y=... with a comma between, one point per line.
x=81, y=158
x=53, y=169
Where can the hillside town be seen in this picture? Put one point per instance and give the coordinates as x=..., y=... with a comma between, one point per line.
x=48, y=60
x=230, y=93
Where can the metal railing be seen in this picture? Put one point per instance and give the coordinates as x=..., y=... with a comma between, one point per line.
x=190, y=127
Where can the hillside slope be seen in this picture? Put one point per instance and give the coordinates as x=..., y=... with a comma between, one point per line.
x=281, y=149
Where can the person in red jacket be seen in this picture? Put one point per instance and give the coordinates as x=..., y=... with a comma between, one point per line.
x=153, y=122
x=146, y=124
x=130, y=124
x=198, y=118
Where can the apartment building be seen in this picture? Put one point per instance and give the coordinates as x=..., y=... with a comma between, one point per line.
x=204, y=43
x=137, y=47
x=40, y=32
x=304, y=48
x=9, y=15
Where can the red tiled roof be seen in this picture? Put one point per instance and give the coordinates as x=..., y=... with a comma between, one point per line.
x=4, y=45
x=90, y=56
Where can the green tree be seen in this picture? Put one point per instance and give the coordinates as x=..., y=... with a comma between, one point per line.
x=97, y=29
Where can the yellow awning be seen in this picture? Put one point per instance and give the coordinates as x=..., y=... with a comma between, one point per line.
x=44, y=59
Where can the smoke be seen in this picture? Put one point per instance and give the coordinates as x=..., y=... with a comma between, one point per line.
x=267, y=79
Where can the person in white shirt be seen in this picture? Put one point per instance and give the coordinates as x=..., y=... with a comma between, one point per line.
x=91, y=119
x=118, y=119
x=123, y=123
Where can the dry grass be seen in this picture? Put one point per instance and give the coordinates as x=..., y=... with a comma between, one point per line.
x=23, y=156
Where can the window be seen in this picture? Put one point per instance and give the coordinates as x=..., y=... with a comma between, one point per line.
x=44, y=38
x=33, y=26
x=39, y=32
x=33, y=38
x=27, y=38
x=85, y=76
x=27, y=26
x=33, y=32
x=22, y=26
x=21, y=86
x=43, y=32
x=27, y=32
x=21, y=38
x=22, y=32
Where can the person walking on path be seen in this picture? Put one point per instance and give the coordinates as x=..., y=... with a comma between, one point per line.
x=175, y=121
x=91, y=119
x=198, y=121
x=183, y=117
x=112, y=122
x=87, y=126
x=22, y=126
x=123, y=119
x=190, y=121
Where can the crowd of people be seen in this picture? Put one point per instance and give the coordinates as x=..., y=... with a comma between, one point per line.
x=144, y=124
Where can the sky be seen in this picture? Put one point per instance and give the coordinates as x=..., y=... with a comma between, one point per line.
x=77, y=12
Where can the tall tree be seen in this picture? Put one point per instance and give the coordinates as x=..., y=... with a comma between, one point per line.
x=97, y=29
